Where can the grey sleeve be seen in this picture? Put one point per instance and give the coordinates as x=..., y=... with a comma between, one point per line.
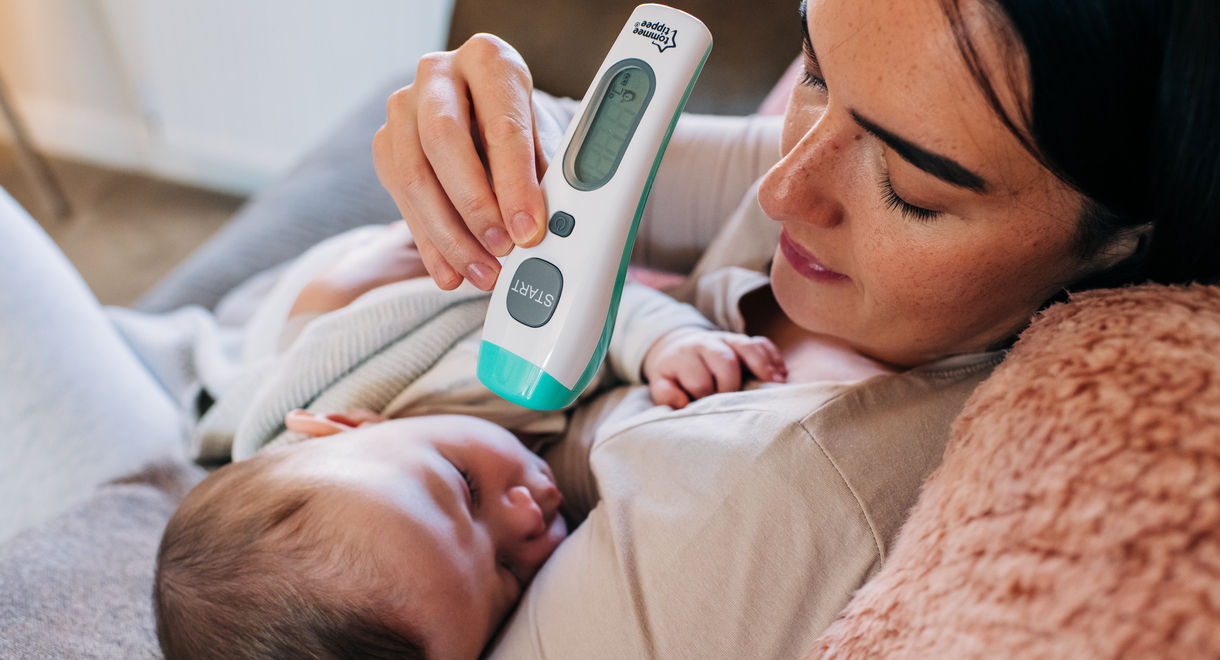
x=644, y=315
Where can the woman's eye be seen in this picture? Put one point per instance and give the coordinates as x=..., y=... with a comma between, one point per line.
x=895, y=203
x=810, y=79
x=472, y=487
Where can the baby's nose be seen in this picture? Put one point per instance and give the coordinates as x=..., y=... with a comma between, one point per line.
x=549, y=499
x=529, y=526
x=524, y=516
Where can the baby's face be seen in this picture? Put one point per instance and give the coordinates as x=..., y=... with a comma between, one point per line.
x=454, y=509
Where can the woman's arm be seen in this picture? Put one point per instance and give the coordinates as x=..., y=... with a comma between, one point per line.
x=709, y=166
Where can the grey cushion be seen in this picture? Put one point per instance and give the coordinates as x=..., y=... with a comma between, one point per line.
x=333, y=189
x=80, y=585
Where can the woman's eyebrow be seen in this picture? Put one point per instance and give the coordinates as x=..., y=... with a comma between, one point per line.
x=941, y=167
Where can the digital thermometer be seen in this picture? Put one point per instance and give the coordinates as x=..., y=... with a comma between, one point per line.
x=552, y=310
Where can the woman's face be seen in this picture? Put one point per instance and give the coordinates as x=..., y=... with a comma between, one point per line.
x=915, y=225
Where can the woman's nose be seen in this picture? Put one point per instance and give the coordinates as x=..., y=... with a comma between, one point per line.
x=804, y=186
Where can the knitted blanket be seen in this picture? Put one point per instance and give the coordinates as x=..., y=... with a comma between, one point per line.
x=361, y=356
x=1077, y=510
x=406, y=348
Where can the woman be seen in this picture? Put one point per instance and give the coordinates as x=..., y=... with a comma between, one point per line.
x=947, y=169
x=1093, y=148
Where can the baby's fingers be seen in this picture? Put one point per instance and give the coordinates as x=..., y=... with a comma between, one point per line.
x=761, y=357
x=721, y=362
x=665, y=392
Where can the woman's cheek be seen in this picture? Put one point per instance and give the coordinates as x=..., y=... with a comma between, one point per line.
x=911, y=282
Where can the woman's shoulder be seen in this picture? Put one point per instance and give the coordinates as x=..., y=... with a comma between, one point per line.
x=886, y=434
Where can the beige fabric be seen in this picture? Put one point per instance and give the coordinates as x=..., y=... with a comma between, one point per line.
x=739, y=526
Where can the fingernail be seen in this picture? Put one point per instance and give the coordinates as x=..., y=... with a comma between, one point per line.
x=498, y=241
x=523, y=226
x=481, y=276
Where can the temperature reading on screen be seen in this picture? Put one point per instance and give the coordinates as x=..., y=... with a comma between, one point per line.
x=618, y=113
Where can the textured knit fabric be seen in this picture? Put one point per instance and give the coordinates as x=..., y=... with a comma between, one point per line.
x=1077, y=512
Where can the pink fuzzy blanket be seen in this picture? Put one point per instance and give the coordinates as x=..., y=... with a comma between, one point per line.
x=1077, y=511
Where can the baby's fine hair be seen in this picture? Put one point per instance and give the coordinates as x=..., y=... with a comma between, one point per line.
x=246, y=570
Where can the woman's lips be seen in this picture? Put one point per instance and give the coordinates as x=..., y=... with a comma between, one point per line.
x=805, y=264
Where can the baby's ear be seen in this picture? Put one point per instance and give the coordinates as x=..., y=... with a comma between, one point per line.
x=356, y=417
x=315, y=426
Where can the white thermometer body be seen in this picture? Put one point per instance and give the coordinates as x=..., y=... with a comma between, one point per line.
x=552, y=311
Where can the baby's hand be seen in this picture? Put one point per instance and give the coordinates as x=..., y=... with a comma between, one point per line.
x=688, y=364
x=390, y=257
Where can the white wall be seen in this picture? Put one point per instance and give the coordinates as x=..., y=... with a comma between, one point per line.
x=220, y=93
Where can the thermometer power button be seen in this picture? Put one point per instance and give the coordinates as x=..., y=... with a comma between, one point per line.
x=561, y=223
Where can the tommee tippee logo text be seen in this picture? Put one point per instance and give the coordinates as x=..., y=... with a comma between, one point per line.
x=662, y=36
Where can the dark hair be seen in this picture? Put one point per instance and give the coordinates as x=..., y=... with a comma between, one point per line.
x=1124, y=106
x=243, y=574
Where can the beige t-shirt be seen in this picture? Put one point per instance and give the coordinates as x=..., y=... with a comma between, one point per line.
x=739, y=526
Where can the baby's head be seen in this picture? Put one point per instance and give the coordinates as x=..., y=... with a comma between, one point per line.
x=406, y=538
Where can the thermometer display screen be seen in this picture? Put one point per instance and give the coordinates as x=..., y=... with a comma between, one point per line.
x=618, y=113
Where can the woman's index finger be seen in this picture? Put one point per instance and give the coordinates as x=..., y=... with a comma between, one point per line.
x=503, y=109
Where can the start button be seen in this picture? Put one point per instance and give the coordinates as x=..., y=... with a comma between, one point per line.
x=534, y=292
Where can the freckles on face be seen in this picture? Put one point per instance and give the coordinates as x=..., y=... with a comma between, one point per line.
x=898, y=174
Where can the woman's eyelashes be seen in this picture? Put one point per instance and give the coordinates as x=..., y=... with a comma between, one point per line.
x=811, y=80
x=811, y=75
x=896, y=203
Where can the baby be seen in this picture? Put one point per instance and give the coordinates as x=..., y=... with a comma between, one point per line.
x=373, y=538
x=406, y=538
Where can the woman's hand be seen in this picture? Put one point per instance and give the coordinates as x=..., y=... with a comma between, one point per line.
x=461, y=157
x=688, y=364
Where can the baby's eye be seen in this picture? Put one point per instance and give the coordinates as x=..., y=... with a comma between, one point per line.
x=472, y=487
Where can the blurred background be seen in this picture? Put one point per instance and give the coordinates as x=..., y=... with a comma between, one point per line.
x=134, y=128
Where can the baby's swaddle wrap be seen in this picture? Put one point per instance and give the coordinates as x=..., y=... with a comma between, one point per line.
x=406, y=348
x=361, y=356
